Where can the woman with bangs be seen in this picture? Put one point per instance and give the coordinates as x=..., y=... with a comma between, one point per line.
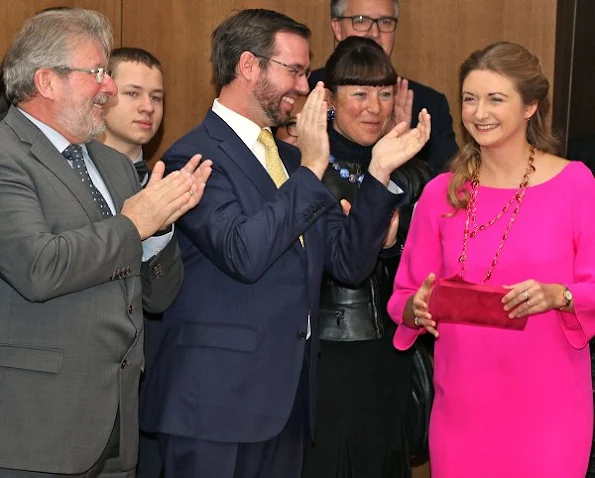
x=364, y=383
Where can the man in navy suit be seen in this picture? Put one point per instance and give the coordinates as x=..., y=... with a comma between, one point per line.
x=377, y=19
x=230, y=391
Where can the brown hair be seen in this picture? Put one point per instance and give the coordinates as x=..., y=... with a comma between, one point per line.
x=131, y=55
x=250, y=30
x=522, y=68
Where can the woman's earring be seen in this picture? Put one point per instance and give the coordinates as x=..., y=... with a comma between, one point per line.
x=331, y=113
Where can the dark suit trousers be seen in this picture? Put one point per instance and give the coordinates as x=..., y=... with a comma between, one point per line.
x=279, y=457
x=149, y=461
x=107, y=466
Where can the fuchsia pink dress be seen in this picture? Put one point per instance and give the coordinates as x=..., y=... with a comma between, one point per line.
x=510, y=403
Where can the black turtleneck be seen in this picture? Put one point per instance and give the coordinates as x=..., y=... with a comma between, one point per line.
x=349, y=155
x=346, y=150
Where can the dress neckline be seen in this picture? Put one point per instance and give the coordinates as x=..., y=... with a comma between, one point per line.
x=544, y=183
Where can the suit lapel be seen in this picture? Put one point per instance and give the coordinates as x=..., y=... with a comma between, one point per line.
x=119, y=190
x=240, y=154
x=112, y=182
x=47, y=154
x=245, y=159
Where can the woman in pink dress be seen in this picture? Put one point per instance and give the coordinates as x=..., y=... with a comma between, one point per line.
x=509, y=403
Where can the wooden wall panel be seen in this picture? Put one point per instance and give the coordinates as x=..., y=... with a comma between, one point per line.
x=435, y=36
x=13, y=14
x=178, y=32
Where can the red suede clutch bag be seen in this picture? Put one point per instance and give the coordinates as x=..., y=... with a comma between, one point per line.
x=459, y=302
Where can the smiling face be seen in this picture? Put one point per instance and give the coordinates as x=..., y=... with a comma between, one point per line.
x=493, y=111
x=362, y=113
x=277, y=87
x=135, y=114
x=79, y=99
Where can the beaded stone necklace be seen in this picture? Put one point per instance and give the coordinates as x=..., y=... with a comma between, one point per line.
x=472, y=212
x=345, y=173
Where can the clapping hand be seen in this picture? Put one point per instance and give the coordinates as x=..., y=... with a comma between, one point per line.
x=313, y=140
x=398, y=146
x=403, y=109
x=165, y=199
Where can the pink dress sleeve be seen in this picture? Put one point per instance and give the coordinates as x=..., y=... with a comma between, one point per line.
x=580, y=326
x=422, y=254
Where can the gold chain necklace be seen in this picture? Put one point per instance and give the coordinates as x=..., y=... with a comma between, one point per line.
x=472, y=216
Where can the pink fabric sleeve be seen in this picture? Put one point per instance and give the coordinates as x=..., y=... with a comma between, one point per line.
x=580, y=326
x=422, y=254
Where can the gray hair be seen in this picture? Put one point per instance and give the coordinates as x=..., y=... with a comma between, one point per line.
x=47, y=41
x=338, y=8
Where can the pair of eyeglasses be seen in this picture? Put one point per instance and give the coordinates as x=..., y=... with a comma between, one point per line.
x=98, y=72
x=361, y=23
x=295, y=71
x=291, y=128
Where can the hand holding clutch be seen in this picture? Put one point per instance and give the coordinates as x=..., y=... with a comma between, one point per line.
x=459, y=302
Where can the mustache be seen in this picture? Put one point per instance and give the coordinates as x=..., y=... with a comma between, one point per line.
x=100, y=100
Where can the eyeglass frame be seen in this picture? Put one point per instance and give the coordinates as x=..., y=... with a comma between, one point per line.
x=292, y=124
x=376, y=21
x=295, y=71
x=99, y=72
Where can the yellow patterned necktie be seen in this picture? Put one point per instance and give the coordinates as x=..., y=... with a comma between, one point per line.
x=273, y=162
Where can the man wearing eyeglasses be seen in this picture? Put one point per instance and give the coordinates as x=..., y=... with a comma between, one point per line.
x=82, y=251
x=378, y=19
x=231, y=392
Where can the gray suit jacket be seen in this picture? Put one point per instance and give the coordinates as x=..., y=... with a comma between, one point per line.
x=71, y=327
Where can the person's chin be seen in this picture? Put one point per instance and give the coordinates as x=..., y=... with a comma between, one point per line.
x=141, y=139
x=368, y=139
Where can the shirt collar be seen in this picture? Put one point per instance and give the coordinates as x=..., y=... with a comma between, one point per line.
x=139, y=158
x=246, y=129
x=59, y=141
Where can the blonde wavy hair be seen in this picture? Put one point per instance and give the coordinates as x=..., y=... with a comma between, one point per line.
x=522, y=67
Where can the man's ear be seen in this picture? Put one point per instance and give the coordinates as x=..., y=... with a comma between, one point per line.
x=45, y=82
x=248, y=66
x=336, y=26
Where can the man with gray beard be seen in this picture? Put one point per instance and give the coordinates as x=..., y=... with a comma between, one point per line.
x=82, y=251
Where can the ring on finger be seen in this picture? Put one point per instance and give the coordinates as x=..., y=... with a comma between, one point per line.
x=190, y=192
x=416, y=321
x=525, y=295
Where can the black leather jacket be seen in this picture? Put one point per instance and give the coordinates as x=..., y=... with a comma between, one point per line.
x=359, y=313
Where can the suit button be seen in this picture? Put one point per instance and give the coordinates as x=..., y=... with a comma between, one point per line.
x=301, y=335
x=130, y=309
x=124, y=363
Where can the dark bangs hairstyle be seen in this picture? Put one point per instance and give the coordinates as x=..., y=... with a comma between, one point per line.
x=358, y=61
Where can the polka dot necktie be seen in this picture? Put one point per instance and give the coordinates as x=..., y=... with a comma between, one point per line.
x=74, y=154
x=273, y=162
